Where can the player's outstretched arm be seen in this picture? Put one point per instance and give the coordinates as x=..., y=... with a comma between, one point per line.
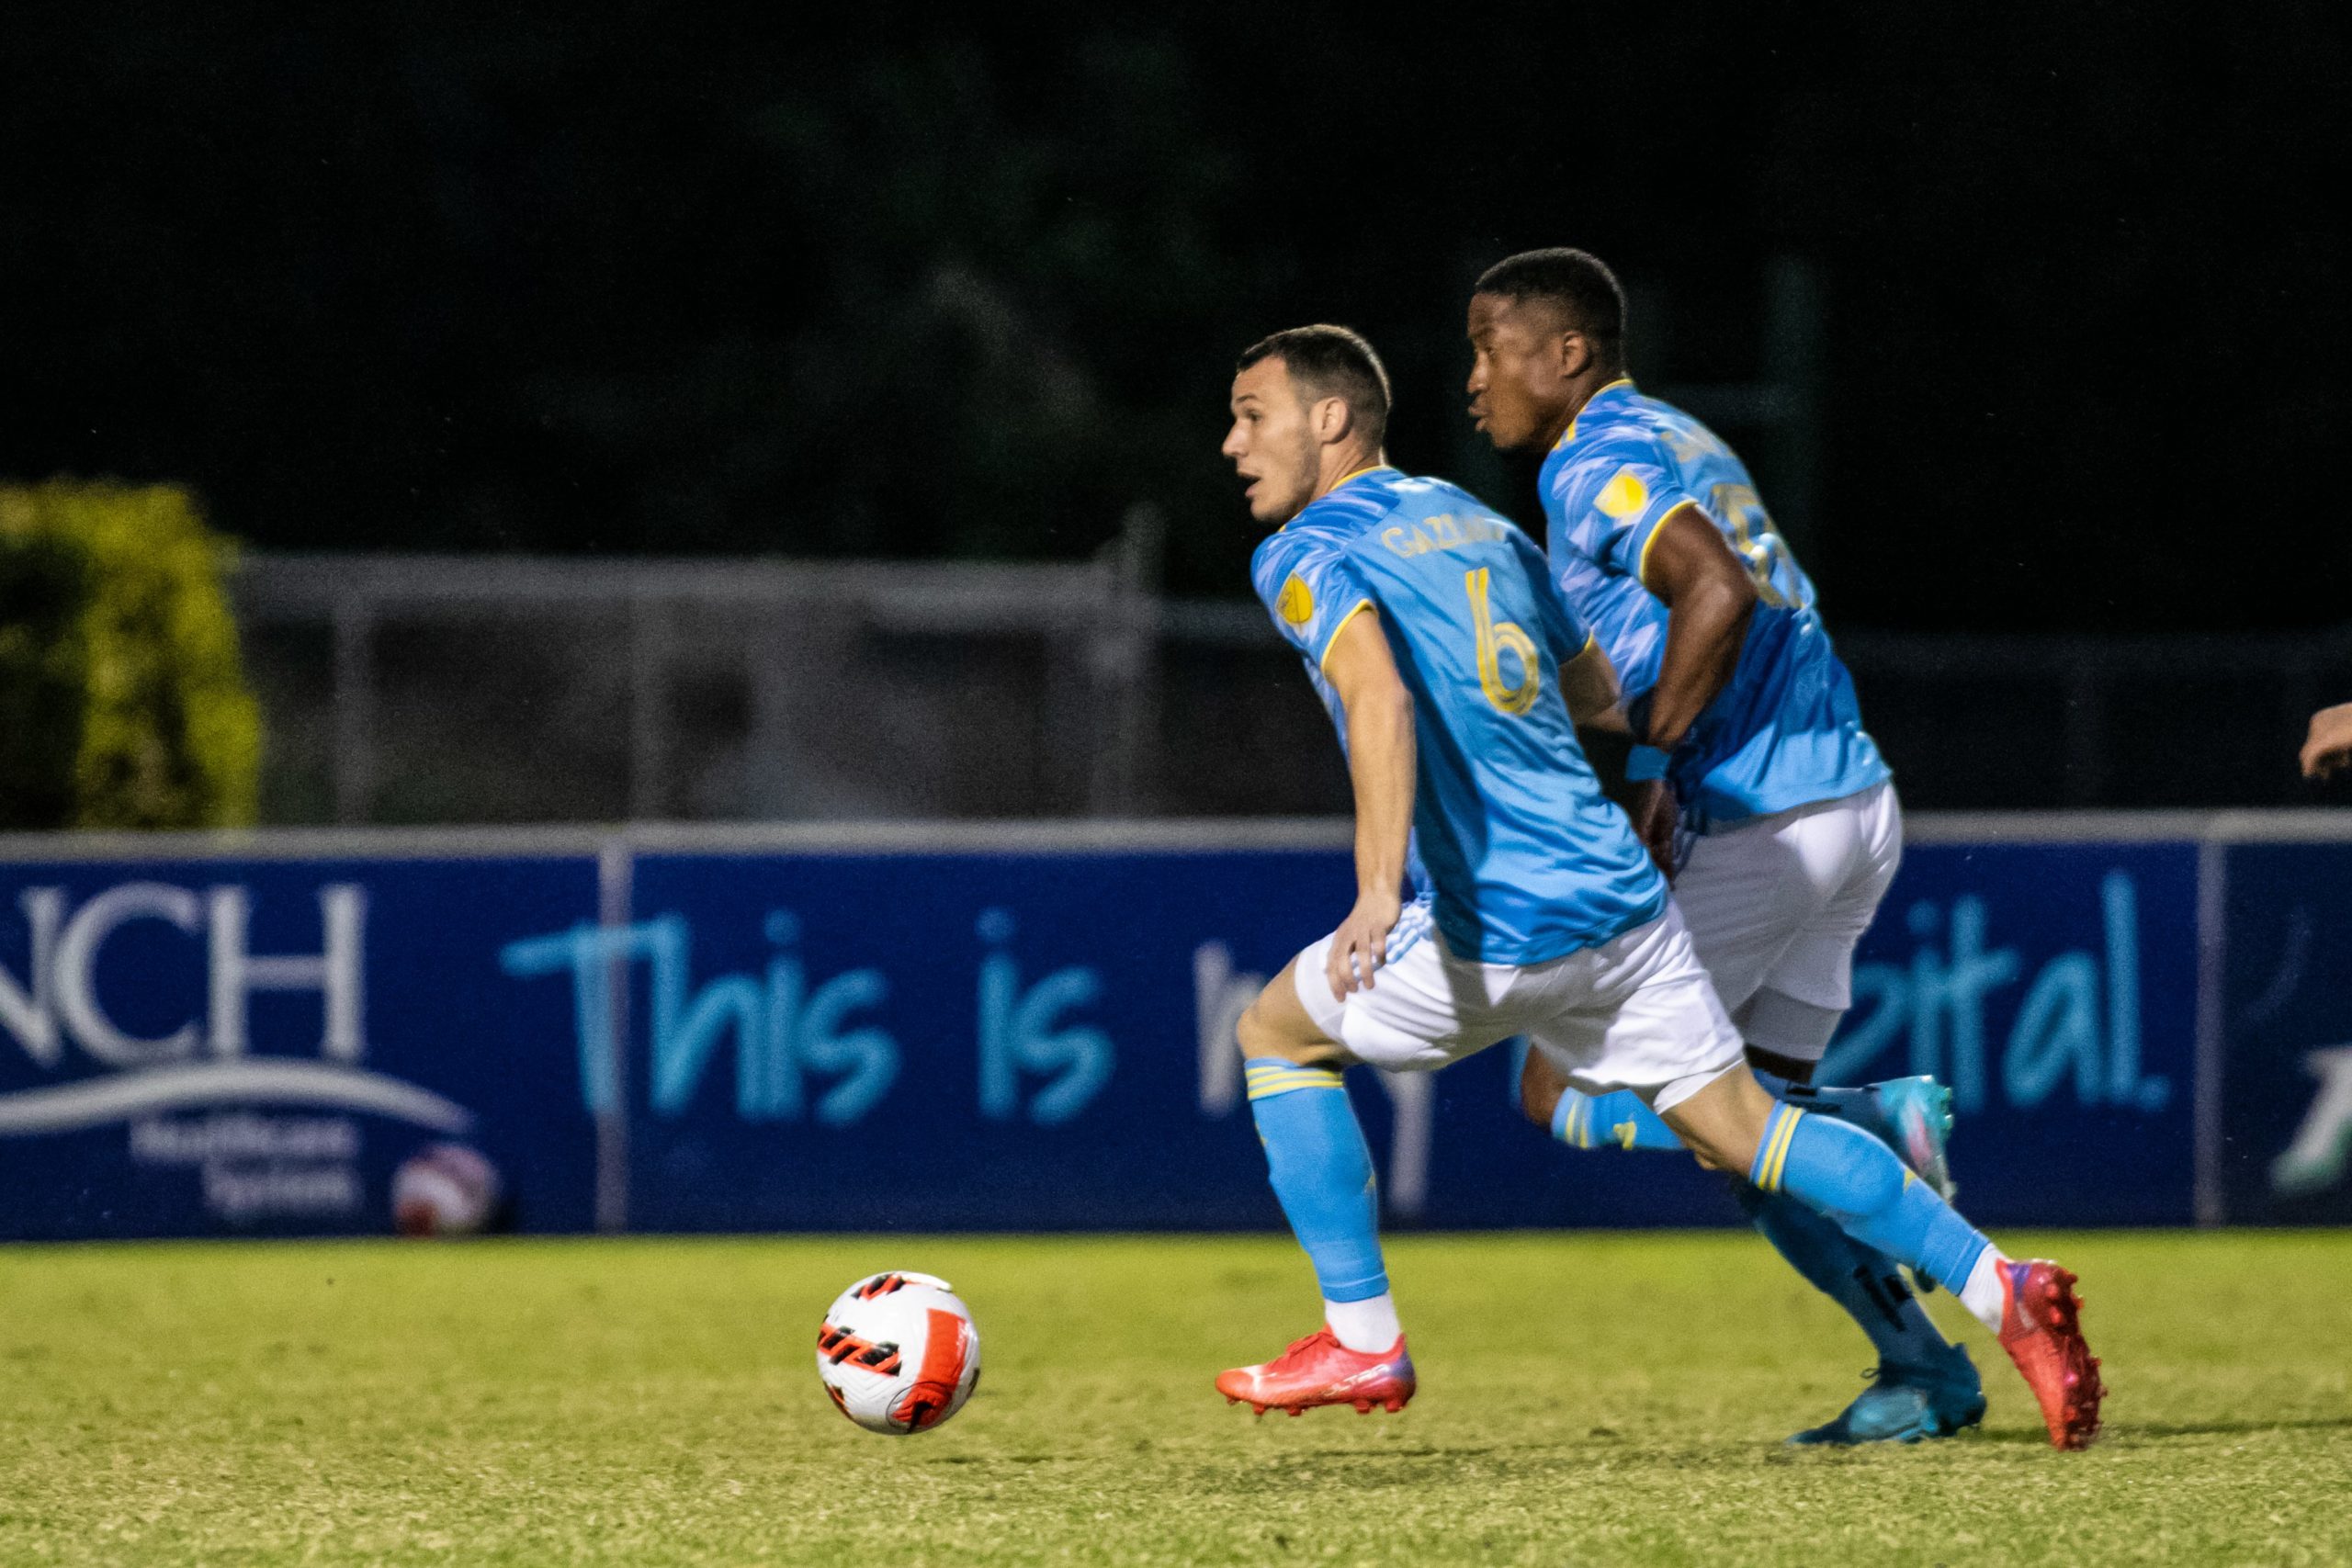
x=1708, y=598
x=2328, y=747
x=1380, y=765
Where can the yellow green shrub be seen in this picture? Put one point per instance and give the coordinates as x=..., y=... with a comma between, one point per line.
x=123, y=700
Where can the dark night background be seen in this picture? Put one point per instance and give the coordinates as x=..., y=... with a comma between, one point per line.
x=469, y=277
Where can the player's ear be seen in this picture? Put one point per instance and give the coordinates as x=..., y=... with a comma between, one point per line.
x=1331, y=420
x=1575, y=353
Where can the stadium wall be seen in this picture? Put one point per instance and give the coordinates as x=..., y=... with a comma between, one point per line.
x=2146, y=1019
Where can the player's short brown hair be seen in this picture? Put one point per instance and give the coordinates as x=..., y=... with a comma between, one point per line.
x=1332, y=362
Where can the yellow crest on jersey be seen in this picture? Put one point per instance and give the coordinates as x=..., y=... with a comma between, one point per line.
x=1296, y=602
x=1623, y=496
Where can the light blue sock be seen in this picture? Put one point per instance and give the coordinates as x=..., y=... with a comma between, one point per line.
x=1322, y=1173
x=1849, y=1176
x=1592, y=1121
x=1863, y=1282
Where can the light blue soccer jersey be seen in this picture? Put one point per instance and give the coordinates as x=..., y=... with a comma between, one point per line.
x=1524, y=858
x=1786, y=731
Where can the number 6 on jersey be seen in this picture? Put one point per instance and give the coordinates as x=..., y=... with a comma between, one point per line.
x=1493, y=637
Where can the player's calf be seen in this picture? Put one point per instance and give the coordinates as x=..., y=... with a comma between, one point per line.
x=1321, y=1172
x=1856, y=1181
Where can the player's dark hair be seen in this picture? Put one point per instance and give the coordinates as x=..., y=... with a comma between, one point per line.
x=1578, y=282
x=1332, y=362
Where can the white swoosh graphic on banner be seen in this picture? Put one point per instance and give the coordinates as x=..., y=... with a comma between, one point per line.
x=125, y=1095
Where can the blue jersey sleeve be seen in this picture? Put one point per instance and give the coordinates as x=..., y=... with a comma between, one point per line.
x=1606, y=504
x=1311, y=589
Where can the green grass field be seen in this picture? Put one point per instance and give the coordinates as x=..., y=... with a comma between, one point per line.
x=1584, y=1399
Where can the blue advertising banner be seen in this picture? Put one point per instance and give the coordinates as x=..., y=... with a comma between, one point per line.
x=2053, y=988
x=206, y=1047
x=1041, y=1038
x=2286, y=1154
x=910, y=1040
x=1042, y=1041
x=1015, y=1042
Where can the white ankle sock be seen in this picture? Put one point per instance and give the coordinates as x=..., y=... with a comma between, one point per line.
x=1368, y=1324
x=1983, y=1296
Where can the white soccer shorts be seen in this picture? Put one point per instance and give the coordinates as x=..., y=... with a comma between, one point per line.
x=1634, y=1012
x=1776, y=905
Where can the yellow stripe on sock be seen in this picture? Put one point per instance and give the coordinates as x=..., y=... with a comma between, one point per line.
x=1272, y=1082
x=1297, y=1081
x=1326, y=1074
x=1779, y=1146
x=1777, y=1154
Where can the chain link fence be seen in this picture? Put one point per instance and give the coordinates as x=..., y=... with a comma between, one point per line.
x=420, y=689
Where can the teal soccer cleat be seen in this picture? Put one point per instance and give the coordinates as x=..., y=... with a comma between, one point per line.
x=1911, y=1116
x=1907, y=1404
x=1918, y=1116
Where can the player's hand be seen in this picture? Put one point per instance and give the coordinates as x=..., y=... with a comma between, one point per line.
x=2328, y=748
x=1360, y=945
x=1654, y=812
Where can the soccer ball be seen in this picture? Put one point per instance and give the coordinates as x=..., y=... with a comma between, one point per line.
x=445, y=1190
x=898, y=1353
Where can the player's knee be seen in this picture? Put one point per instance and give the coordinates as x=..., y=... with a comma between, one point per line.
x=1710, y=1156
x=1260, y=1035
x=1252, y=1035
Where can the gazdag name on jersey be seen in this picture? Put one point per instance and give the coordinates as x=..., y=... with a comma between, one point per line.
x=1786, y=731
x=1522, y=856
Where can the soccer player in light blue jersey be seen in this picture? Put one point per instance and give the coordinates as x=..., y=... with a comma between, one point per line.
x=1455, y=677
x=1748, y=732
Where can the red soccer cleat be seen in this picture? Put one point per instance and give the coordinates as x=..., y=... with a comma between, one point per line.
x=2041, y=1330
x=1318, y=1370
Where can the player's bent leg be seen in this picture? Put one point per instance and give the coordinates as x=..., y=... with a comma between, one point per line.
x=1321, y=1172
x=1856, y=1181
x=1923, y=1386
x=1278, y=1024
x=1585, y=1121
x=1786, y=1037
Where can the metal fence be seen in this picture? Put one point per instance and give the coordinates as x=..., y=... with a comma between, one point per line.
x=407, y=689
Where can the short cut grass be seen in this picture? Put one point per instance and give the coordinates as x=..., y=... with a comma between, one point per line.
x=1577, y=283
x=1585, y=1397
x=1332, y=362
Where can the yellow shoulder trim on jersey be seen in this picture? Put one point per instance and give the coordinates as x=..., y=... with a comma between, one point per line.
x=1642, y=567
x=1360, y=606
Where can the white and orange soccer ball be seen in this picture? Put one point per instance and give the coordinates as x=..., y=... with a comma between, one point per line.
x=445, y=1190
x=898, y=1353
